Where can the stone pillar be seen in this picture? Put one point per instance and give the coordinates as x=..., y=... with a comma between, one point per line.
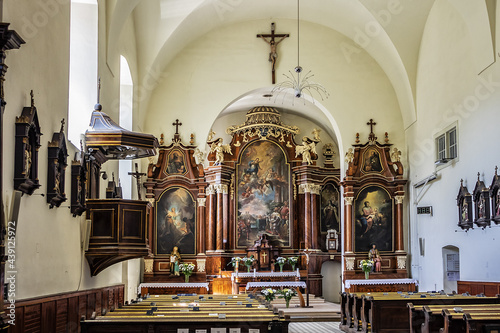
x=348, y=224
x=304, y=189
x=315, y=223
x=399, y=243
x=201, y=244
x=211, y=218
x=220, y=189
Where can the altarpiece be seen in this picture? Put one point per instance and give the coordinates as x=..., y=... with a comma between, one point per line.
x=259, y=185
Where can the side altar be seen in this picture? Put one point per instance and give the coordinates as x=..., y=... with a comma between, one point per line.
x=374, y=190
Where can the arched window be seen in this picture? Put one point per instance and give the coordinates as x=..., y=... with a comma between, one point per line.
x=126, y=111
x=83, y=67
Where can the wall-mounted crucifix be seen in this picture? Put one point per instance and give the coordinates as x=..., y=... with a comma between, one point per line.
x=273, y=55
x=137, y=175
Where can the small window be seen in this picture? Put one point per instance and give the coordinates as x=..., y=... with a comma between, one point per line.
x=446, y=146
x=452, y=139
x=441, y=147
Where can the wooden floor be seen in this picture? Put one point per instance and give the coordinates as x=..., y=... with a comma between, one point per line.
x=314, y=327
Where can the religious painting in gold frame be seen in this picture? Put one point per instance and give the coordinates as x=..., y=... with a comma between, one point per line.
x=329, y=208
x=373, y=219
x=263, y=194
x=175, y=221
x=176, y=164
x=371, y=161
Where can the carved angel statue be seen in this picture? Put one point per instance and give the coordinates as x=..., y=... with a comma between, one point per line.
x=307, y=147
x=199, y=156
x=396, y=155
x=315, y=134
x=349, y=156
x=219, y=150
x=211, y=135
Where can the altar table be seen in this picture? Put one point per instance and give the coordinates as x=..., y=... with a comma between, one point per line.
x=277, y=284
x=384, y=285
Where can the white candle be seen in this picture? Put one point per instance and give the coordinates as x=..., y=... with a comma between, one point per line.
x=298, y=274
x=254, y=274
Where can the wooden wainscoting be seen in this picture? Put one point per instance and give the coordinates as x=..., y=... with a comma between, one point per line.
x=62, y=312
x=478, y=287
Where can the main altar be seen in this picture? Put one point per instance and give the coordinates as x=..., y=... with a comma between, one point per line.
x=262, y=195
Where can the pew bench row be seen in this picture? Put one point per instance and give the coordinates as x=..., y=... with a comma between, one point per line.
x=388, y=312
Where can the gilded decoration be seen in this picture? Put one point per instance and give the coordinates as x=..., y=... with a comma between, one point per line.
x=264, y=122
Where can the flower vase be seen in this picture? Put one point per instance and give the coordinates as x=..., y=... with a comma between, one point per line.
x=186, y=278
x=248, y=269
x=367, y=275
x=281, y=268
x=293, y=267
x=287, y=302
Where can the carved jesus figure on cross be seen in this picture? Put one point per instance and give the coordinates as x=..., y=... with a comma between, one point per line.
x=273, y=55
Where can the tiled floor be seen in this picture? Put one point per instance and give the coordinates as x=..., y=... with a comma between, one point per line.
x=314, y=327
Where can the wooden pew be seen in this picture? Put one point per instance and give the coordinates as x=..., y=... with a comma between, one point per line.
x=170, y=314
x=476, y=323
x=437, y=315
x=389, y=313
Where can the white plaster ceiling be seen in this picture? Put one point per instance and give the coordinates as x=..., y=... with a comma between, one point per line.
x=164, y=27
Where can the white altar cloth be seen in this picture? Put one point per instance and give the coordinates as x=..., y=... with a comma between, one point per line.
x=174, y=285
x=366, y=282
x=277, y=284
x=265, y=274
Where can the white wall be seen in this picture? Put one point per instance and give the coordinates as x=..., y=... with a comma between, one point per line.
x=450, y=89
x=48, y=255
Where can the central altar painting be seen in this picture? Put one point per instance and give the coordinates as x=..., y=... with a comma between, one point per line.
x=263, y=192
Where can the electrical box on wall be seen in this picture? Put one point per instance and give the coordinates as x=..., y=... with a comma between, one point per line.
x=425, y=210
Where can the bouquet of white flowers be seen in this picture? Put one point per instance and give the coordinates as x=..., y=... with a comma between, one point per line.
x=248, y=261
x=280, y=261
x=269, y=294
x=187, y=270
x=293, y=261
x=287, y=294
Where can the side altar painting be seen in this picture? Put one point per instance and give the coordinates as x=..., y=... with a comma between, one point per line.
x=175, y=222
x=373, y=219
x=263, y=193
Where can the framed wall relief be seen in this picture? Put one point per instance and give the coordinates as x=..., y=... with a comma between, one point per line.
x=263, y=193
x=175, y=222
x=373, y=219
x=56, y=171
x=78, y=184
x=481, y=196
x=495, y=198
x=464, y=202
x=26, y=150
x=330, y=208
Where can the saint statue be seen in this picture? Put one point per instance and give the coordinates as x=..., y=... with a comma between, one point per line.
x=175, y=258
x=374, y=255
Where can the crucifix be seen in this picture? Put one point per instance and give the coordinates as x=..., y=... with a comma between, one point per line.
x=273, y=55
x=176, y=135
x=372, y=136
x=137, y=175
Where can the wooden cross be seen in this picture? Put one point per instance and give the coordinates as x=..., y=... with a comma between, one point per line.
x=264, y=255
x=372, y=136
x=273, y=55
x=137, y=175
x=177, y=124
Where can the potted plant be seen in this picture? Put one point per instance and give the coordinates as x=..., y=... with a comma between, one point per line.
x=287, y=294
x=293, y=261
x=366, y=266
x=248, y=261
x=187, y=270
x=280, y=261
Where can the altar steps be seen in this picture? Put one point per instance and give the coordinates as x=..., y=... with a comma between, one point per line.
x=312, y=327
